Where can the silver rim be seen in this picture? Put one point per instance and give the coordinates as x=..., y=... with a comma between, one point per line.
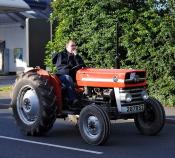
x=28, y=105
x=92, y=127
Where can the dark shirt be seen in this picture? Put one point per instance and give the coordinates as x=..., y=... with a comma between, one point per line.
x=65, y=61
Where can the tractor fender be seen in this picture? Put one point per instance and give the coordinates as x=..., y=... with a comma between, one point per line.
x=55, y=83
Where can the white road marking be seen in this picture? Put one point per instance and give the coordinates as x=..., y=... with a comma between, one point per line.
x=51, y=145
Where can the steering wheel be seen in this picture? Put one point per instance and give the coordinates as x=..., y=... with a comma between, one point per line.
x=74, y=70
x=77, y=67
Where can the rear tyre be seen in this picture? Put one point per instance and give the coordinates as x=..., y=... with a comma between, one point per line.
x=34, y=104
x=152, y=120
x=94, y=125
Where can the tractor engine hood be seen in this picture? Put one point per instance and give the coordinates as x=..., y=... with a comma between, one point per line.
x=120, y=78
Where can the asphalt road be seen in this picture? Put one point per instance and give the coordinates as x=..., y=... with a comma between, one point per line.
x=5, y=101
x=65, y=141
x=7, y=81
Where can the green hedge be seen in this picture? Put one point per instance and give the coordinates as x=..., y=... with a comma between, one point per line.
x=147, y=37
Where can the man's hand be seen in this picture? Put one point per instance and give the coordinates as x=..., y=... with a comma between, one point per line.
x=75, y=52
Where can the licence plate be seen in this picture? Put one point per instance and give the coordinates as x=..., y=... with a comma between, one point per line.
x=133, y=109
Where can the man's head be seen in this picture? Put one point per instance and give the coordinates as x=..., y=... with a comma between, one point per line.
x=71, y=47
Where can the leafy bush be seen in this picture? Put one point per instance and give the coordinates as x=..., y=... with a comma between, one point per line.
x=147, y=37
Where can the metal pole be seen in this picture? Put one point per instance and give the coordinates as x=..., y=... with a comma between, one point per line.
x=117, y=58
x=51, y=31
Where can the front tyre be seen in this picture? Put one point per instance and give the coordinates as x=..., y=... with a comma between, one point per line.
x=94, y=125
x=152, y=120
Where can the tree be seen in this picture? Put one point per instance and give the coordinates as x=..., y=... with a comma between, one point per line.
x=147, y=37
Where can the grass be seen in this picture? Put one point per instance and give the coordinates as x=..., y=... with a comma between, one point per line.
x=5, y=88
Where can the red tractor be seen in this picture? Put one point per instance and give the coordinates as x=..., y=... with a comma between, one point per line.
x=105, y=94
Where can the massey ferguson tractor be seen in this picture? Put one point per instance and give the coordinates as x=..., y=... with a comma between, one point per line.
x=104, y=94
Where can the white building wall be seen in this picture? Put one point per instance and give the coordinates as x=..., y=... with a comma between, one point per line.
x=15, y=37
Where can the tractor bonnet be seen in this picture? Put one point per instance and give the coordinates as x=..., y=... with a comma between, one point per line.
x=110, y=77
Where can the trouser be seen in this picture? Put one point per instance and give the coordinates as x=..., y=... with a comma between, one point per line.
x=69, y=87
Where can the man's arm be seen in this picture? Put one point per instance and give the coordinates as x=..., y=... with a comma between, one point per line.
x=79, y=60
x=61, y=64
x=57, y=60
x=60, y=60
x=54, y=58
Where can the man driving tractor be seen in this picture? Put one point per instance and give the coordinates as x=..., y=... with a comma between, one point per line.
x=65, y=62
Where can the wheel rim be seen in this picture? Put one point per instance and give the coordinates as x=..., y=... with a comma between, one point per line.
x=28, y=105
x=92, y=127
x=148, y=116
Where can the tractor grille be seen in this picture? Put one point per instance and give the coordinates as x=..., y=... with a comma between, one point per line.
x=136, y=96
x=135, y=77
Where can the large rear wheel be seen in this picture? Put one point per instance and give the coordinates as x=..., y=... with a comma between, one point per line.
x=152, y=120
x=33, y=104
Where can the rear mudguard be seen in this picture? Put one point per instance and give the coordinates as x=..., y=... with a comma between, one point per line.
x=55, y=83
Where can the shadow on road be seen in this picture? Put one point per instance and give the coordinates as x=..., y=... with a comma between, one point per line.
x=4, y=103
x=172, y=117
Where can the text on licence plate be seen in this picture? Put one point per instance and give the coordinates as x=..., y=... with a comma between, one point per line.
x=133, y=109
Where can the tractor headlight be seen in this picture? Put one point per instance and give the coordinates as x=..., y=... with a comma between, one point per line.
x=145, y=95
x=126, y=97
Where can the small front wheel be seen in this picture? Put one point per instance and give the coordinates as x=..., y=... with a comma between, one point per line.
x=94, y=125
x=152, y=120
